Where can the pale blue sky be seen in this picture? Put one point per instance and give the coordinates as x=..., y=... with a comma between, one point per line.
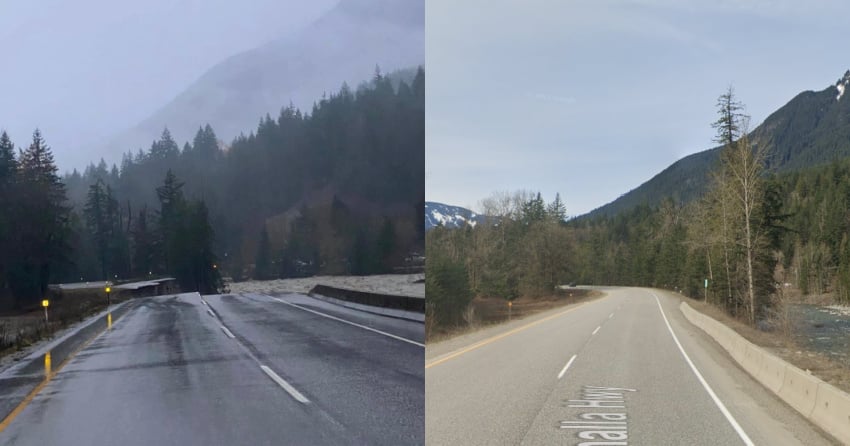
x=592, y=98
x=85, y=70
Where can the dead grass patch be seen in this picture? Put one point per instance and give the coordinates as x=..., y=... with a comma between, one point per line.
x=487, y=311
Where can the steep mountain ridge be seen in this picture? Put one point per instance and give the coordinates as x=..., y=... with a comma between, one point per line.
x=449, y=216
x=344, y=45
x=812, y=129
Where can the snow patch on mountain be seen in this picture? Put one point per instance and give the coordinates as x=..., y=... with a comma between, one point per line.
x=439, y=214
x=841, y=85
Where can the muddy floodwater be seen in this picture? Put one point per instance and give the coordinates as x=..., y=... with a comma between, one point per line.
x=823, y=329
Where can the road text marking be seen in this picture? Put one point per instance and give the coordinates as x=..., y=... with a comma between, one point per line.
x=390, y=335
x=744, y=437
x=609, y=427
x=564, y=370
x=286, y=386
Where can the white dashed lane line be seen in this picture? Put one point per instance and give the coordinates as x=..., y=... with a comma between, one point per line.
x=564, y=370
x=227, y=332
x=286, y=386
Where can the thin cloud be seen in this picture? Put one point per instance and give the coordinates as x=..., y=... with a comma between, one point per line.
x=548, y=97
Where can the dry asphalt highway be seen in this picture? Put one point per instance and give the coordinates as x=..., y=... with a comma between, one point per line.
x=625, y=369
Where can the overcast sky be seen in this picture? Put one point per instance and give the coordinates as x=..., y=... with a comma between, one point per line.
x=592, y=98
x=85, y=70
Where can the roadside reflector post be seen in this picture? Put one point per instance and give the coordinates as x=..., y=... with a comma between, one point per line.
x=510, y=305
x=108, y=291
x=706, y=290
x=45, y=303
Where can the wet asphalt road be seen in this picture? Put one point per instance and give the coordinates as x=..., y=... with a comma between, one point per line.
x=235, y=370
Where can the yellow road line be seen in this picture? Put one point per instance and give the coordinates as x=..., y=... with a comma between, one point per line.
x=484, y=342
x=30, y=396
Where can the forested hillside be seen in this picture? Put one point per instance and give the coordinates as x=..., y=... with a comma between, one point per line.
x=337, y=190
x=750, y=236
x=810, y=130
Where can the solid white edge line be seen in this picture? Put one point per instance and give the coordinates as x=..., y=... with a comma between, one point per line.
x=286, y=386
x=597, y=329
x=350, y=323
x=708, y=389
x=227, y=332
x=564, y=370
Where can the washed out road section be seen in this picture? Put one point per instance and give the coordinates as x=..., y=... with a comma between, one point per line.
x=168, y=372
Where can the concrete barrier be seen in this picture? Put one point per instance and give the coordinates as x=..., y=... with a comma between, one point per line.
x=799, y=390
x=772, y=372
x=22, y=378
x=753, y=357
x=822, y=403
x=406, y=303
x=832, y=412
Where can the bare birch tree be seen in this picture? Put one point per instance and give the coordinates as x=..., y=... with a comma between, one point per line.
x=741, y=183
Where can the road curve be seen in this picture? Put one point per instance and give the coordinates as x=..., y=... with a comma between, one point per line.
x=624, y=369
x=229, y=370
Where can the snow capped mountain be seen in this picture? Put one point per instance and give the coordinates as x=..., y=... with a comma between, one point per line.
x=841, y=85
x=448, y=216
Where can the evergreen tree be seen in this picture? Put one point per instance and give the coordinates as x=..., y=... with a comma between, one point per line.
x=41, y=244
x=8, y=174
x=534, y=209
x=172, y=207
x=196, y=266
x=99, y=225
x=386, y=245
x=165, y=148
x=556, y=210
x=262, y=264
x=302, y=253
x=447, y=288
x=363, y=258
x=143, y=246
x=205, y=144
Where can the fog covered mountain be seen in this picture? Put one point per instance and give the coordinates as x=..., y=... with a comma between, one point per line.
x=344, y=45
